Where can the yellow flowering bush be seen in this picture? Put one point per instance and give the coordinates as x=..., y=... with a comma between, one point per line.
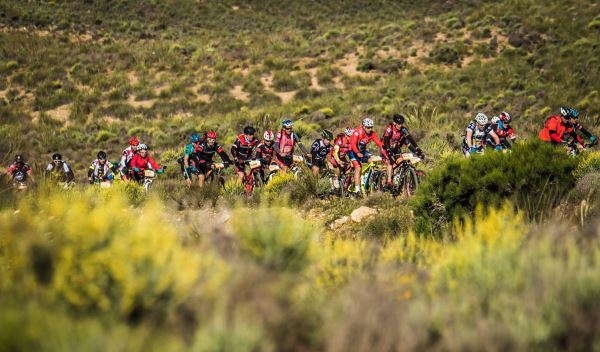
x=104, y=255
x=589, y=162
x=336, y=262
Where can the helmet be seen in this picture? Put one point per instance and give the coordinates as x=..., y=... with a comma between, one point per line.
x=56, y=156
x=399, y=119
x=249, y=130
x=102, y=155
x=287, y=123
x=194, y=138
x=495, y=119
x=19, y=159
x=269, y=136
x=348, y=131
x=367, y=122
x=211, y=134
x=133, y=141
x=565, y=111
x=574, y=113
x=481, y=118
x=326, y=134
x=141, y=146
x=505, y=117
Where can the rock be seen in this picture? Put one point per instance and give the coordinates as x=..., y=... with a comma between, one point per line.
x=339, y=222
x=360, y=213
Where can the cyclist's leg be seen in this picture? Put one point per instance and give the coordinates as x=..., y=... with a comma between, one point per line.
x=357, y=168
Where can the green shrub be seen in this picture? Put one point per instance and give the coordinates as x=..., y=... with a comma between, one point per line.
x=457, y=186
x=275, y=237
x=444, y=54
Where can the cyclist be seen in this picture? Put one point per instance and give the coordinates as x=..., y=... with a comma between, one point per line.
x=142, y=161
x=187, y=165
x=338, y=159
x=265, y=151
x=285, y=142
x=501, y=125
x=101, y=169
x=19, y=165
x=476, y=135
x=203, y=156
x=126, y=156
x=243, y=150
x=395, y=136
x=358, y=149
x=59, y=169
x=320, y=151
x=557, y=126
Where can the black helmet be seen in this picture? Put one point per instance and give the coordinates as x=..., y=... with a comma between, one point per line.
x=249, y=130
x=56, y=156
x=19, y=159
x=326, y=134
x=398, y=118
x=101, y=155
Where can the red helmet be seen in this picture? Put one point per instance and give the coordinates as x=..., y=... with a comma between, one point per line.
x=211, y=134
x=269, y=136
x=504, y=116
x=133, y=141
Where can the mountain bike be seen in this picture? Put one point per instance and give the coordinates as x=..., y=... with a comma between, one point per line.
x=215, y=174
x=367, y=181
x=252, y=178
x=406, y=177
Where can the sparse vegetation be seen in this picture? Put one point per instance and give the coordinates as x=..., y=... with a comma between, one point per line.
x=498, y=251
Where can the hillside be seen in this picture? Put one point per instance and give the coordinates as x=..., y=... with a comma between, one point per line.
x=500, y=250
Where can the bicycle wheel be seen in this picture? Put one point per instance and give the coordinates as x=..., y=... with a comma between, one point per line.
x=410, y=182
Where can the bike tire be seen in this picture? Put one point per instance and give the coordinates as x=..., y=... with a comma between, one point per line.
x=411, y=182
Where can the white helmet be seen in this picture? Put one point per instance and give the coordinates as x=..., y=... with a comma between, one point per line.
x=141, y=146
x=495, y=119
x=348, y=131
x=367, y=122
x=481, y=118
x=269, y=136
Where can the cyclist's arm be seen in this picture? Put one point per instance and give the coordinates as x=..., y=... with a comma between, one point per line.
x=469, y=138
x=379, y=144
x=153, y=163
x=91, y=170
x=336, y=154
x=223, y=155
x=234, y=149
x=494, y=136
x=354, y=142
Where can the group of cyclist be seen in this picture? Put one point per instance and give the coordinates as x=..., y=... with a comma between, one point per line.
x=342, y=153
x=560, y=129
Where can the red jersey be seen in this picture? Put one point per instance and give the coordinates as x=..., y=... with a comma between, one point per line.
x=554, y=129
x=360, y=139
x=143, y=163
x=342, y=142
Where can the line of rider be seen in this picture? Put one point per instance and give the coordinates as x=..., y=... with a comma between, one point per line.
x=345, y=151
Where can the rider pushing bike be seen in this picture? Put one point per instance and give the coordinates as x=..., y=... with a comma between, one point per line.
x=359, y=153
